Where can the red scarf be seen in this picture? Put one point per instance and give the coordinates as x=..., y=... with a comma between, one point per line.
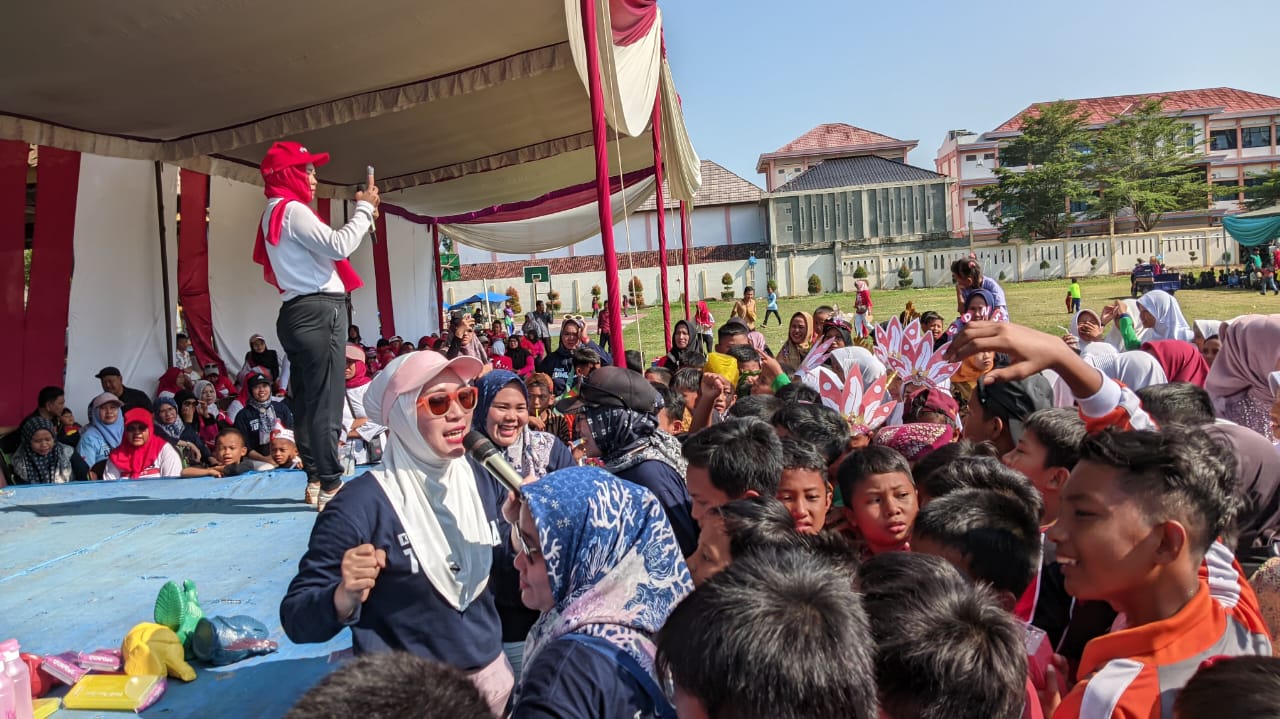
x=131, y=460
x=361, y=377
x=290, y=183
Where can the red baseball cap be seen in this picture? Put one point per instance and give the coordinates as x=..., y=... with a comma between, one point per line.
x=290, y=154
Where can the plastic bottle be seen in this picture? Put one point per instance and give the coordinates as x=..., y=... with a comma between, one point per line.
x=19, y=678
x=8, y=702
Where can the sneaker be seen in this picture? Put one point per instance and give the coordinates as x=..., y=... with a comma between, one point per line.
x=313, y=492
x=324, y=498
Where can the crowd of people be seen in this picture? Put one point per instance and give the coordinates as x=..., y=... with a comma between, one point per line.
x=942, y=515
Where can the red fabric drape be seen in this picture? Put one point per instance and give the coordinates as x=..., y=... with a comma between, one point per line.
x=601, y=140
x=193, y=267
x=382, y=273
x=662, y=218
x=52, y=261
x=13, y=241
x=631, y=19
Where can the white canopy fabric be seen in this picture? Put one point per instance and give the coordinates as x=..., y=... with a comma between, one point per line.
x=459, y=105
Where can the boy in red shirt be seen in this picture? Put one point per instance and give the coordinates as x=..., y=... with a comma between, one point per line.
x=1138, y=514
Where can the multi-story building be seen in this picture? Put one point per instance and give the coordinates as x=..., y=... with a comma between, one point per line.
x=1235, y=129
x=825, y=142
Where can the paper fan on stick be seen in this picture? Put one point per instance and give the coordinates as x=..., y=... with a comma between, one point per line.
x=865, y=408
x=908, y=352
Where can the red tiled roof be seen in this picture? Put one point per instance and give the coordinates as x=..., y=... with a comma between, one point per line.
x=1101, y=109
x=719, y=187
x=835, y=136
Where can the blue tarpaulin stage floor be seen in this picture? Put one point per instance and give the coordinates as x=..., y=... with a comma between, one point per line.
x=82, y=564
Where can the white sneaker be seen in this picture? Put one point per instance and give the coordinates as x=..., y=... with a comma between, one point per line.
x=323, y=498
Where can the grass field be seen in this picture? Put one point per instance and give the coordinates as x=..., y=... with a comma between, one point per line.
x=1036, y=304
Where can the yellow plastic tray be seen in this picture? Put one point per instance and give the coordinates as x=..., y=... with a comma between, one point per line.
x=120, y=692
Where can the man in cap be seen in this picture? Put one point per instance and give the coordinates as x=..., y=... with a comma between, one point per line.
x=113, y=382
x=306, y=259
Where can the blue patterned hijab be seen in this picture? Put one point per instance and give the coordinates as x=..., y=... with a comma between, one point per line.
x=615, y=568
x=531, y=453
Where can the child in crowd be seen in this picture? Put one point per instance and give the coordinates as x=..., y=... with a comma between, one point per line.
x=1232, y=687
x=738, y=528
x=1073, y=296
x=687, y=382
x=879, y=499
x=68, y=428
x=284, y=450
x=658, y=375
x=997, y=411
x=816, y=424
x=944, y=649
x=968, y=277
x=393, y=685
x=585, y=361
x=230, y=455
x=1138, y=514
x=761, y=406
x=731, y=460
x=803, y=488
x=730, y=648
x=671, y=416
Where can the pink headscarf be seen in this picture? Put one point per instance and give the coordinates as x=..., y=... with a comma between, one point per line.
x=915, y=441
x=757, y=340
x=1181, y=361
x=1240, y=369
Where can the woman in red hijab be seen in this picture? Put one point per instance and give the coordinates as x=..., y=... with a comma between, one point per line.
x=306, y=259
x=142, y=455
x=1181, y=361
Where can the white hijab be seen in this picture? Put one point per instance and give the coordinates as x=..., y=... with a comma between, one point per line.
x=1208, y=329
x=1135, y=370
x=435, y=498
x=1115, y=339
x=1170, y=324
x=868, y=366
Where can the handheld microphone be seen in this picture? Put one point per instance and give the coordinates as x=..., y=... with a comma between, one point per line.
x=492, y=459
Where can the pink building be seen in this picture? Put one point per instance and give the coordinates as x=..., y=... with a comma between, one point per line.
x=825, y=142
x=1235, y=129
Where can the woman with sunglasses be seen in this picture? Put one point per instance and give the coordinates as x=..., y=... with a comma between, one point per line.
x=402, y=555
x=141, y=454
x=597, y=557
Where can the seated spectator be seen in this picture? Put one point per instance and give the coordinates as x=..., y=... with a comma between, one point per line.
x=221, y=384
x=598, y=558
x=208, y=417
x=734, y=459
x=49, y=405
x=497, y=350
x=259, y=417
x=184, y=357
x=142, y=455
x=944, y=649
x=230, y=455
x=113, y=382
x=880, y=501
x=363, y=440
x=41, y=459
x=68, y=428
x=172, y=382
x=181, y=436
x=276, y=366
x=242, y=400
x=616, y=418
x=284, y=449
x=730, y=648
x=391, y=686
x=105, y=431
x=542, y=414
x=520, y=352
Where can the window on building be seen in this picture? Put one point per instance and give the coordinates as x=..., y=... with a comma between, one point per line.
x=1226, y=189
x=989, y=156
x=1255, y=136
x=973, y=203
x=1079, y=206
x=1251, y=182
x=970, y=158
x=1223, y=139
x=1191, y=134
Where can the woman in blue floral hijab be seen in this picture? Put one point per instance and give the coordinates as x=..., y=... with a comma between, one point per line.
x=597, y=556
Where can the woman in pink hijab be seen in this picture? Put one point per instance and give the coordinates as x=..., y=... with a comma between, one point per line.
x=1239, y=381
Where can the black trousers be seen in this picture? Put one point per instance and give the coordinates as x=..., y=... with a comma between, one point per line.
x=313, y=330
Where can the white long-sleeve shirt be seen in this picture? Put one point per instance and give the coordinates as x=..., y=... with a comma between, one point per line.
x=303, y=261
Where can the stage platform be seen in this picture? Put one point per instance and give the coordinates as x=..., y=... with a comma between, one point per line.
x=82, y=564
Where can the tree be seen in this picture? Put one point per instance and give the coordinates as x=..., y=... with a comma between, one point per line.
x=1044, y=269
x=1040, y=171
x=1264, y=195
x=815, y=284
x=1144, y=162
x=904, y=276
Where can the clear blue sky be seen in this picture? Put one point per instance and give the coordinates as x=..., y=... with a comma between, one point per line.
x=754, y=74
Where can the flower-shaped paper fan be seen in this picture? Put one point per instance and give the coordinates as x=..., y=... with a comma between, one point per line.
x=864, y=408
x=816, y=357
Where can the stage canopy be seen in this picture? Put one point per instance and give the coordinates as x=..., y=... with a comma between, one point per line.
x=1252, y=229
x=463, y=107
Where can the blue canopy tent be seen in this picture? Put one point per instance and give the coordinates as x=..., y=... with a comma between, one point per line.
x=481, y=297
x=1254, y=229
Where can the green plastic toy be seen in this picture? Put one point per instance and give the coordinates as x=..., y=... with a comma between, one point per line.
x=179, y=610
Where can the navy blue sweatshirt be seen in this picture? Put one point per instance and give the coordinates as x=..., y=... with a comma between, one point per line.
x=404, y=612
x=559, y=364
x=504, y=580
x=669, y=487
x=568, y=680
